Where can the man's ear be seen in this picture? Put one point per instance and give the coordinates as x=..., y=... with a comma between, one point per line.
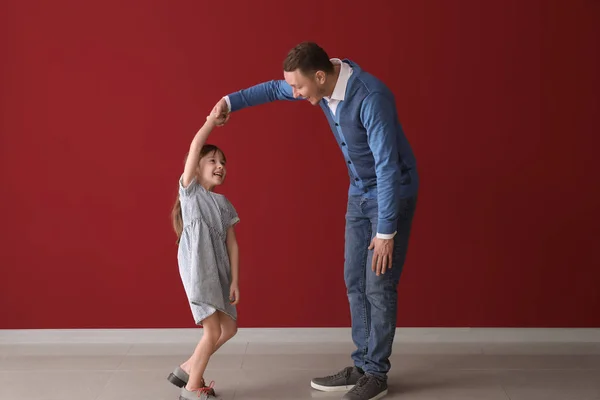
x=320, y=77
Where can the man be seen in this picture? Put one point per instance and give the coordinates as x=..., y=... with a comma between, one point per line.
x=361, y=112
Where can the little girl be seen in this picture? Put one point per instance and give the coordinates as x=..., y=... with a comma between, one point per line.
x=208, y=258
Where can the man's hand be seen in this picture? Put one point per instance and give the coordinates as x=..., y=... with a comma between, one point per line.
x=234, y=294
x=221, y=112
x=382, y=254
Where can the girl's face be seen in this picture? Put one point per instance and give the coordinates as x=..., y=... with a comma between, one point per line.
x=211, y=170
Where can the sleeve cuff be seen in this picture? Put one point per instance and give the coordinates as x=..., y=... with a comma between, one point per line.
x=386, y=227
x=186, y=191
x=228, y=103
x=386, y=235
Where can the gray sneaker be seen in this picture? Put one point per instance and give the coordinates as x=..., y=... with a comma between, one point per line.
x=200, y=394
x=340, y=382
x=367, y=388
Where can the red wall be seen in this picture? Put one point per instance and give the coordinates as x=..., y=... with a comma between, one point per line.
x=99, y=102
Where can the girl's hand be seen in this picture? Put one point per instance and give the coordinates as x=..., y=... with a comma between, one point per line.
x=234, y=294
x=217, y=120
x=221, y=110
x=211, y=119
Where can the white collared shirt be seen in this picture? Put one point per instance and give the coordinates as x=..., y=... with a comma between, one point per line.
x=339, y=91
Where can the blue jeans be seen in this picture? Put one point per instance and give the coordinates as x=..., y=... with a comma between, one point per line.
x=373, y=299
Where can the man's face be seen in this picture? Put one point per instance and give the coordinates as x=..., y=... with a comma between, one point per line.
x=307, y=87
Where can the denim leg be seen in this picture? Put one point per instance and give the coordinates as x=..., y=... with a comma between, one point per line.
x=381, y=291
x=358, y=236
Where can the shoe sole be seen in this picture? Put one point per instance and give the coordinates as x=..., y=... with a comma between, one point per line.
x=380, y=395
x=331, y=388
x=207, y=396
x=176, y=381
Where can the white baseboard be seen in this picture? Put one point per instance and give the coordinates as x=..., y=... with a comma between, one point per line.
x=322, y=335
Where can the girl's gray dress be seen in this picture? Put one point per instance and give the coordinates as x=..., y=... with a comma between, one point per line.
x=203, y=258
